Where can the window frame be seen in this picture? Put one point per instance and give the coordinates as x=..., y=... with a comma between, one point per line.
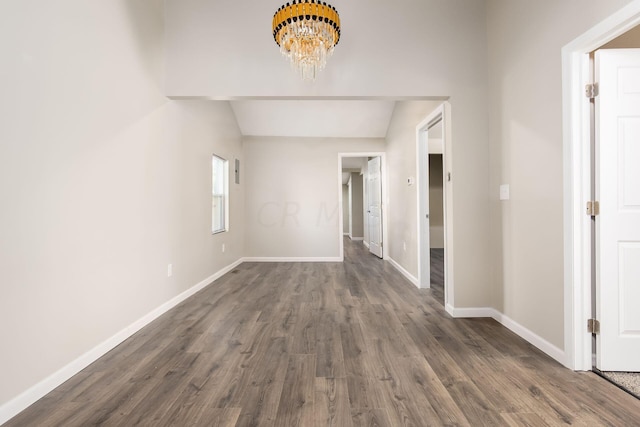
x=224, y=196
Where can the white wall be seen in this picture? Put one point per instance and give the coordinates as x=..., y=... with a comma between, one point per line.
x=401, y=164
x=292, y=195
x=525, y=39
x=103, y=181
x=472, y=287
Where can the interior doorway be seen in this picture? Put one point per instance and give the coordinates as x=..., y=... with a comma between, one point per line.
x=353, y=201
x=362, y=180
x=583, y=176
x=436, y=215
x=435, y=219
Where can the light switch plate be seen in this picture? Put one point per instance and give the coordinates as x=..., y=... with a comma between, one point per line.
x=504, y=192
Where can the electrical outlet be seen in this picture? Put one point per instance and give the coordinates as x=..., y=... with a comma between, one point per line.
x=404, y=246
x=169, y=270
x=223, y=247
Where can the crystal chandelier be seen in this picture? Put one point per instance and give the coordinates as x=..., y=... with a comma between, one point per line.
x=307, y=31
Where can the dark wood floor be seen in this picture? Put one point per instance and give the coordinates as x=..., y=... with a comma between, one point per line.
x=437, y=274
x=319, y=344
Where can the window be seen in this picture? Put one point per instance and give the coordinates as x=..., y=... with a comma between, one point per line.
x=220, y=195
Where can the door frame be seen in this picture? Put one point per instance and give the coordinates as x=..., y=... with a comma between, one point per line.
x=577, y=182
x=442, y=112
x=383, y=183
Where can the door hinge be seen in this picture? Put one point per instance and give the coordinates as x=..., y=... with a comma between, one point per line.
x=593, y=326
x=591, y=90
x=593, y=208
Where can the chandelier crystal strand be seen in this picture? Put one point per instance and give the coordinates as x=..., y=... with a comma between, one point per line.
x=307, y=32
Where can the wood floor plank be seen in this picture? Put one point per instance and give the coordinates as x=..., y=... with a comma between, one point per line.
x=329, y=354
x=203, y=417
x=314, y=344
x=381, y=322
x=475, y=406
x=296, y=402
x=403, y=390
x=427, y=383
x=303, y=335
x=438, y=357
x=524, y=420
x=258, y=390
x=331, y=403
x=370, y=418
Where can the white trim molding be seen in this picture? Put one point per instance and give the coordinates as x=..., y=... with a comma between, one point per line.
x=413, y=279
x=463, y=313
x=293, y=259
x=524, y=333
x=19, y=403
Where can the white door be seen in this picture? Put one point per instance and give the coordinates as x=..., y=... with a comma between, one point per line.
x=618, y=225
x=374, y=210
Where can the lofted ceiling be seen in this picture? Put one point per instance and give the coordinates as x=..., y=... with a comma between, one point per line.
x=314, y=118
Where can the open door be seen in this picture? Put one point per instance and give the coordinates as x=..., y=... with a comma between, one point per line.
x=374, y=210
x=618, y=224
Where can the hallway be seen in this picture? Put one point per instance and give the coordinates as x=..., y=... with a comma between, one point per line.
x=345, y=344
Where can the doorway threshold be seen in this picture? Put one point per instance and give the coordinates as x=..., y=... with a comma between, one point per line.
x=627, y=381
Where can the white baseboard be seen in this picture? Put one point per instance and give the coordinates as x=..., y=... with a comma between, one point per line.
x=292, y=259
x=471, y=312
x=365, y=243
x=449, y=309
x=404, y=272
x=513, y=326
x=19, y=403
x=357, y=239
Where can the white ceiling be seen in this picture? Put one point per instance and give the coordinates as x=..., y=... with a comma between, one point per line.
x=314, y=118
